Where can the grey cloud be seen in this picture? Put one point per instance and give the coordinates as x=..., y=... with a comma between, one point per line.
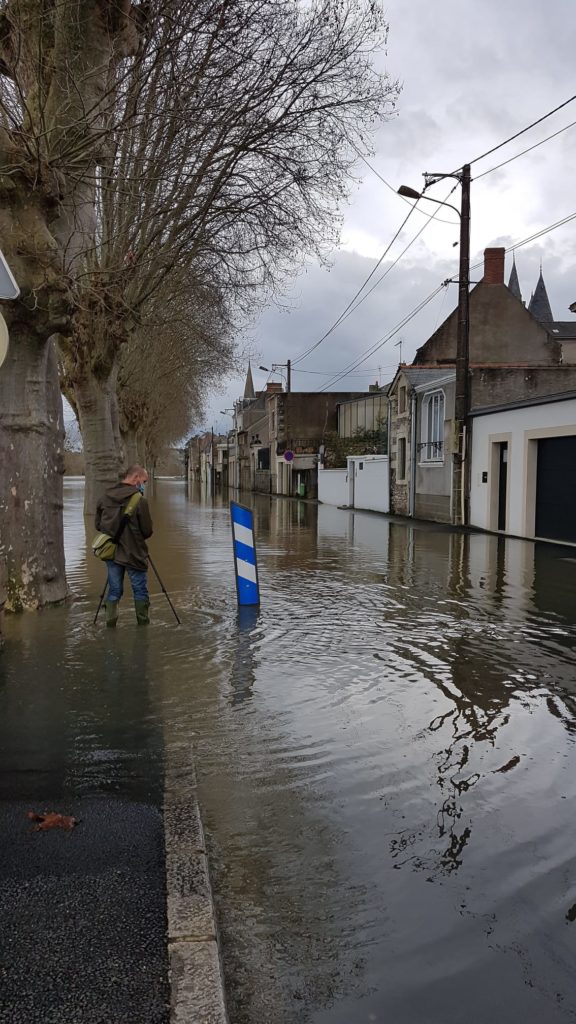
x=473, y=74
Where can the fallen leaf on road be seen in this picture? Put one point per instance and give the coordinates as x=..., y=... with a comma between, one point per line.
x=52, y=820
x=509, y=764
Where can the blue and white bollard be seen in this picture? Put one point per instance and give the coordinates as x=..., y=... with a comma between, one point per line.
x=245, y=564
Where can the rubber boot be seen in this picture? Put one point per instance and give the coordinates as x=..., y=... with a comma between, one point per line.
x=142, y=616
x=111, y=613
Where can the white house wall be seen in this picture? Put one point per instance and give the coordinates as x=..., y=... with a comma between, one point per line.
x=519, y=427
x=371, y=489
x=333, y=486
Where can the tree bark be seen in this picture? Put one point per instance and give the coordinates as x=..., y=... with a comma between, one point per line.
x=131, y=445
x=98, y=416
x=31, y=472
x=58, y=56
x=31, y=421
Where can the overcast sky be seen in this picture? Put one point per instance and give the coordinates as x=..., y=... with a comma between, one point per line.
x=473, y=74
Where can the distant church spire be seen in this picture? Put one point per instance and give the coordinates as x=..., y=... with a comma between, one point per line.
x=514, y=283
x=249, y=385
x=540, y=304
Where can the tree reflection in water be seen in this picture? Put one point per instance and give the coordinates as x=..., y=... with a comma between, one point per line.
x=485, y=675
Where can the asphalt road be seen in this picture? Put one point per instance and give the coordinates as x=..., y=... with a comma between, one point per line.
x=82, y=913
x=83, y=916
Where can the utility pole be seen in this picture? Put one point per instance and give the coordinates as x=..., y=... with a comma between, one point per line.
x=461, y=405
x=458, y=510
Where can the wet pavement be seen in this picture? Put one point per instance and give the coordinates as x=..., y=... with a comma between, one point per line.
x=386, y=768
x=83, y=912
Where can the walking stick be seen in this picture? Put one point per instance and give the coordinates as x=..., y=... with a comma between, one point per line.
x=164, y=591
x=100, y=602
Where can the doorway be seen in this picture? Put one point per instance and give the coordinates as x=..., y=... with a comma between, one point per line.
x=502, y=483
x=556, y=488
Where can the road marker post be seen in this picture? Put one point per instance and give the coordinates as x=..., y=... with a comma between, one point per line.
x=245, y=563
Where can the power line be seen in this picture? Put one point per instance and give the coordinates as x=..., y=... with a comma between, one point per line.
x=544, y=231
x=531, y=238
x=353, y=305
x=432, y=216
x=528, y=150
x=414, y=312
x=524, y=130
x=362, y=373
x=366, y=355
x=353, y=299
x=392, y=189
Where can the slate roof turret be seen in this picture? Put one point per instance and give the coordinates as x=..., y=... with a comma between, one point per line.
x=514, y=283
x=540, y=304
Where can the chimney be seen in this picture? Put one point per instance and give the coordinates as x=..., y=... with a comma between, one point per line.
x=494, y=266
x=274, y=386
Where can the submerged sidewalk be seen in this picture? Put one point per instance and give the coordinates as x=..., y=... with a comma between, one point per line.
x=111, y=922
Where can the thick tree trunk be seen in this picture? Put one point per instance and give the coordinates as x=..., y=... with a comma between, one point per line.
x=131, y=447
x=31, y=472
x=60, y=59
x=98, y=415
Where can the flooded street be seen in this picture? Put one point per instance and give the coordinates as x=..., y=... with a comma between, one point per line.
x=385, y=752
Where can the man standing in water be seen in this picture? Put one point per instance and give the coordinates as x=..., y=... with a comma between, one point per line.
x=131, y=550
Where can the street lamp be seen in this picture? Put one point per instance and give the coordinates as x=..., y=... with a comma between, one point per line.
x=458, y=510
x=282, y=366
x=411, y=193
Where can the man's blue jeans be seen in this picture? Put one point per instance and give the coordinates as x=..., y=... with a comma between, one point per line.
x=138, y=580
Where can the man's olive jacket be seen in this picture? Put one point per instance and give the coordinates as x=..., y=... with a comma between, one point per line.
x=131, y=549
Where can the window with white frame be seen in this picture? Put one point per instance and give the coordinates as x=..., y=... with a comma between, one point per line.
x=432, y=434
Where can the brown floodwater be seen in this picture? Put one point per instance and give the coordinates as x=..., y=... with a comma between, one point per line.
x=385, y=751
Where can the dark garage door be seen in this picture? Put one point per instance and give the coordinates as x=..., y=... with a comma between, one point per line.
x=556, y=488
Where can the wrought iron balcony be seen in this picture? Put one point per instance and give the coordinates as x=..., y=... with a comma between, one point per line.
x=431, y=451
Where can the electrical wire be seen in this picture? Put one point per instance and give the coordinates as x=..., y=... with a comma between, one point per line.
x=363, y=373
x=526, y=241
x=353, y=305
x=382, y=341
x=342, y=316
x=396, y=261
x=349, y=370
x=528, y=150
x=395, y=191
x=524, y=130
x=366, y=355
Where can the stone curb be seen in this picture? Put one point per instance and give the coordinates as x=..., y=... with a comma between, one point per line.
x=197, y=994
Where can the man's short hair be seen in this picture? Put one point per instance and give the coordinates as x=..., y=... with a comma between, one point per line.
x=136, y=468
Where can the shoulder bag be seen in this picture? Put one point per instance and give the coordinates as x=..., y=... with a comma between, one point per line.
x=103, y=545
